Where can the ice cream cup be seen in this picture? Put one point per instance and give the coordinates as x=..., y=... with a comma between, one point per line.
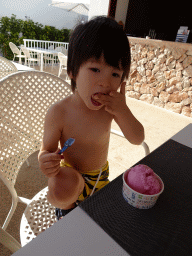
x=137, y=199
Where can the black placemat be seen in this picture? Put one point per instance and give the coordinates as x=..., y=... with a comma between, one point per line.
x=165, y=229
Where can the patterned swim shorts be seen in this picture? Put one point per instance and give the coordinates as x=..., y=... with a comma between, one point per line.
x=92, y=184
x=94, y=181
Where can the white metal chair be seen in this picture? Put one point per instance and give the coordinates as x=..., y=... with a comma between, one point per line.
x=6, y=67
x=50, y=57
x=62, y=50
x=144, y=144
x=51, y=47
x=29, y=57
x=24, y=100
x=63, y=63
x=53, y=58
x=17, y=53
x=8, y=241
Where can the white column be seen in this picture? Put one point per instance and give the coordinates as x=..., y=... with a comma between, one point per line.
x=121, y=10
x=98, y=7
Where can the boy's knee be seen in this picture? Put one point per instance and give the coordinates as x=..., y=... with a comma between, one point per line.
x=66, y=186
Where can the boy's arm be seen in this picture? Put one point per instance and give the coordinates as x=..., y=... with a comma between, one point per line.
x=52, y=129
x=52, y=133
x=115, y=104
x=49, y=159
x=132, y=129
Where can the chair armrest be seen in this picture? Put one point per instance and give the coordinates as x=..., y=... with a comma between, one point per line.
x=146, y=148
x=8, y=241
x=144, y=144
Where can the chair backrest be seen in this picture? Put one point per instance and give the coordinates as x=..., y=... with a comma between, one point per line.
x=14, y=48
x=64, y=51
x=24, y=100
x=58, y=49
x=62, y=58
x=61, y=49
x=26, y=52
x=51, y=47
x=6, y=67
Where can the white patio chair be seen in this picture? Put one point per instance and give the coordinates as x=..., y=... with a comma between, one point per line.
x=6, y=67
x=144, y=144
x=50, y=58
x=63, y=63
x=29, y=57
x=8, y=241
x=51, y=47
x=17, y=53
x=26, y=99
x=62, y=50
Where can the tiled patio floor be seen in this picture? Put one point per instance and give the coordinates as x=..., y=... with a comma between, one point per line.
x=159, y=126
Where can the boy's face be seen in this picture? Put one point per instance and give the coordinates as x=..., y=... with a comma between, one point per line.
x=96, y=77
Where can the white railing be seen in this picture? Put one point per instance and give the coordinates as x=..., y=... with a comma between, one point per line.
x=47, y=45
x=31, y=43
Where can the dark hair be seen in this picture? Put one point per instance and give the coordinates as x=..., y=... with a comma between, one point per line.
x=101, y=35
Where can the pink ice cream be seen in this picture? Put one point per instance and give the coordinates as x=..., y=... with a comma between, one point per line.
x=142, y=179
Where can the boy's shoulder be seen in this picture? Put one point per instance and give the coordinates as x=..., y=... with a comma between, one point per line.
x=60, y=106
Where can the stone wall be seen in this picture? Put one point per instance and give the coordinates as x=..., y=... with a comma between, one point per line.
x=161, y=74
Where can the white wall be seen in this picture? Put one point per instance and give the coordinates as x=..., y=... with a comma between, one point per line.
x=98, y=7
x=121, y=10
x=39, y=11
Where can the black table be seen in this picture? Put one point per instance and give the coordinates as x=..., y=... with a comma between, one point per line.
x=165, y=229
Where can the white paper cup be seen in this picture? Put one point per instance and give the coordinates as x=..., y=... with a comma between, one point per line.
x=137, y=199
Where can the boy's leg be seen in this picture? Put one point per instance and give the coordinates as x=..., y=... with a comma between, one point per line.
x=65, y=188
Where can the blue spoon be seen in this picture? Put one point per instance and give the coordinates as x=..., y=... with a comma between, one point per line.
x=67, y=144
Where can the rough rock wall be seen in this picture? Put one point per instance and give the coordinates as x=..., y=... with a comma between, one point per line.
x=161, y=75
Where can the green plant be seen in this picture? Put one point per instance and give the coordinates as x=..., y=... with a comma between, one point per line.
x=9, y=32
x=15, y=30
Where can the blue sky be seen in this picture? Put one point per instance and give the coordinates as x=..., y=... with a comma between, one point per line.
x=38, y=11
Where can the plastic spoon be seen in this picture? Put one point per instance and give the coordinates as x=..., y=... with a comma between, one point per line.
x=67, y=144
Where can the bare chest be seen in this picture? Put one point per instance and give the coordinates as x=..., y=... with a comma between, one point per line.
x=87, y=128
x=91, y=134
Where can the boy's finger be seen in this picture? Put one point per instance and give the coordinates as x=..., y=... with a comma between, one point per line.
x=53, y=157
x=53, y=169
x=122, y=90
x=113, y=93
x=57, y=151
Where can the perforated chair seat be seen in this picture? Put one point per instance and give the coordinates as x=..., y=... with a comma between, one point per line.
x=6, y=67
x=38, y=216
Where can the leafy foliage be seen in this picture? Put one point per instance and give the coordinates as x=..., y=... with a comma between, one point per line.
x=15, y=30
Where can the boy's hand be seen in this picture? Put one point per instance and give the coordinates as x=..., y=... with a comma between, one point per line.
x=50, y=162
x=115, y=102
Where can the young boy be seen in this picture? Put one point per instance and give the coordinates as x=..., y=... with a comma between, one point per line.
x=98, y=63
